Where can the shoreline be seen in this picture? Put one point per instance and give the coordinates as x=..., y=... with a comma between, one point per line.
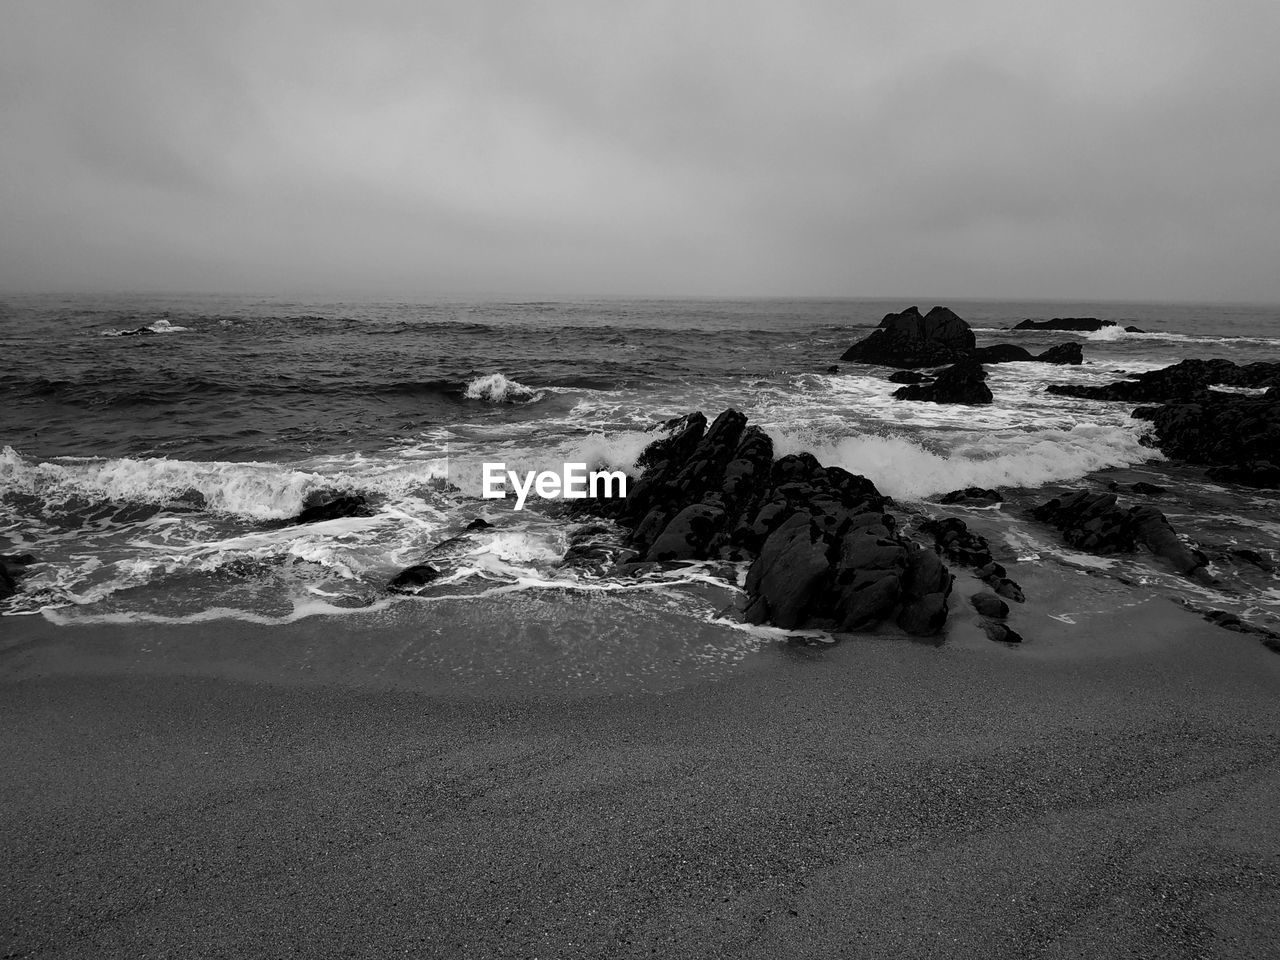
x=1080, y=795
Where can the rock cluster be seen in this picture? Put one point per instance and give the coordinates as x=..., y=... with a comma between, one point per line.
x=1094, y=523
x=1187, y=380
x=1075, y=324
x=1063, y=354
x=825, y=554
x=960, y=383
x=961, y=545
x=1237, y=436
x=972, y=495
x=908, y=339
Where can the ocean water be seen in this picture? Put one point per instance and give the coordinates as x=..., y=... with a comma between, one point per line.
x=148, y=473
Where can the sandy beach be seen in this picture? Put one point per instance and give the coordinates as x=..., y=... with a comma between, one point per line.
x=231, y=790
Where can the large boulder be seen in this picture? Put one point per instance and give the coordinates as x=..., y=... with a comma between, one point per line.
x=960, y=383
x=910, y=340
x=1064, y=354
x=823, y=552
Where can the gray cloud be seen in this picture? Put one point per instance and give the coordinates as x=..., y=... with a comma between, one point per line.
x=995, y=148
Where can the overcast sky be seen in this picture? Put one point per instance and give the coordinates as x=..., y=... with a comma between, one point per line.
x=1007, y=148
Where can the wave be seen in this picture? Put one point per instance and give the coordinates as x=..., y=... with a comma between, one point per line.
x=262, y=491
x=496, y=388
x=1118, y=334
x=159, y=326
x=906, y=470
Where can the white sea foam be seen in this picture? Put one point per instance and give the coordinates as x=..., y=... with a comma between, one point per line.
x=1241, y=391
x=905, y=469
x=496, y=388
x=249, y=489
x=160, y=326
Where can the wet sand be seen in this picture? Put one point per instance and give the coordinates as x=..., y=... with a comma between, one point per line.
x=235, y=791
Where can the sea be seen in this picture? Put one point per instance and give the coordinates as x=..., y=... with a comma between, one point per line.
x=149, y=474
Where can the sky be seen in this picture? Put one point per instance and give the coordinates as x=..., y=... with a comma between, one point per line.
x=997, y=148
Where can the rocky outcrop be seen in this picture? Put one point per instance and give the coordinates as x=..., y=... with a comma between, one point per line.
x=1094, y=523
x=824, y=552
x=909, y=340
x=961, y=545
x=412, y=579
x=1182, y=381
x=1075, y=324
x=972, y=495
x=12, y=567
x=961, y=383
x=1237, y=437
x=1063, y=353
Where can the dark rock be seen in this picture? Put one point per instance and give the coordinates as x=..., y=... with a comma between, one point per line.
x=989, y=605
x=412, y=579
x=1069, y=354
x=908, y=339
x=1258, y=559
x=479, y=523
x=1188, y=380
x=1134, y=330
x=1093, y=522
x=1002, y=633
x=1237, y=436
x=833, y=369
x=1007, y=589
x=961, y=545
x=1149, y=489
x=972, y=495
x=961, y=383
x=1254, y=473
x=824, y=554
x=789, y=573
x=908, y=376
x=1076, y=324
x=1002, y=353
x=688, y=534
x=335, y=509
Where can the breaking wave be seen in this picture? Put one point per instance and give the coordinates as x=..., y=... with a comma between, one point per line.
x=907, y=470
x=496, y=388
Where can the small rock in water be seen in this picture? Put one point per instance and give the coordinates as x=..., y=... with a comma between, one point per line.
x=479, y=523
x=335, y=509
x=989, y=605
x=1002, y=633
x=411, y=579
x=972, y=495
